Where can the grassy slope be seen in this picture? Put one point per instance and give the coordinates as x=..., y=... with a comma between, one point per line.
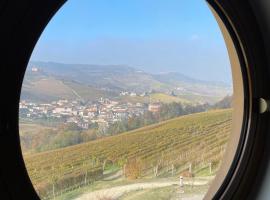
x=29, y=131
x=47, y=89
x=197, y=138
x=27, y=128
x=201, y=98
x=88, y=92
x=155, y=97
x=167, y=98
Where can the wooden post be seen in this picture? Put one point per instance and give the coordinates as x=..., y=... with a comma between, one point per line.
x=181, y=188
x=181, y=182
x=103, y=166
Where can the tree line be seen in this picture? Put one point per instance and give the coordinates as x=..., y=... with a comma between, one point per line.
x=167, y=111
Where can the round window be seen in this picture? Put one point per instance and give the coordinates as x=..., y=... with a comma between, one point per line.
x=131, y=100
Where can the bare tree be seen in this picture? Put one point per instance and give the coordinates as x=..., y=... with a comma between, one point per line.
x=104, y=165
x=156, y=167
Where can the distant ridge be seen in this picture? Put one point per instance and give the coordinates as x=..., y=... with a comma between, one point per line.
x=109, y=80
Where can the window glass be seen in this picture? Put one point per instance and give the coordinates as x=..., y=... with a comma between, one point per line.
x=127, y=100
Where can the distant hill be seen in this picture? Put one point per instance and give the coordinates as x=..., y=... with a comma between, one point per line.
x=110, y=77
x=53, y=80
x=184, y=85
x=50, y=89
x=174, y=77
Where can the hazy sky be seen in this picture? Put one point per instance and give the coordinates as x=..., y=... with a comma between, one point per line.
x=153, y=35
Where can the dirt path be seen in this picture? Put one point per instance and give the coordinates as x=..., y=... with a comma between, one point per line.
x=118, y=191
x=118, y=174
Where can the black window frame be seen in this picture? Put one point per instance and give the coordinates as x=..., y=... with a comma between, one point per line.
x=21, y=24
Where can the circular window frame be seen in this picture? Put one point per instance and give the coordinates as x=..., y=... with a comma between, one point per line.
x=25, y=23
x=238, y=173
x=241, y=108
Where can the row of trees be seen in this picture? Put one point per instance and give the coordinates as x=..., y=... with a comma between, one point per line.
x=63, y=136
x=167, y=111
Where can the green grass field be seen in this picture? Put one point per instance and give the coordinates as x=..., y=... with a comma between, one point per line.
x=167, y=148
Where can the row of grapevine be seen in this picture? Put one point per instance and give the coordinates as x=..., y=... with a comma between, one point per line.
x=198, y=139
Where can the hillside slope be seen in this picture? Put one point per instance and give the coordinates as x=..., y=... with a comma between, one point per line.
x=153, y=98
x=111, y=80
x=50, y=89
x=198, y=138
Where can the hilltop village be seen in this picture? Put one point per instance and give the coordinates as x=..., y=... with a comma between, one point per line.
x=102, y=112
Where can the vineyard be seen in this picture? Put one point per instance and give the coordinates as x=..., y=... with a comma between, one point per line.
x=160, y=150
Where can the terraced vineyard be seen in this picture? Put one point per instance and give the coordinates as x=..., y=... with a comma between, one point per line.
x=160, y=150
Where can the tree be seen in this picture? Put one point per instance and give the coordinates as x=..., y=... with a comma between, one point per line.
x=89, y=135
x=133, y=168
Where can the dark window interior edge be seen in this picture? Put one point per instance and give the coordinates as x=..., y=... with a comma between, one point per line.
x=22, y=22
x=251, y=162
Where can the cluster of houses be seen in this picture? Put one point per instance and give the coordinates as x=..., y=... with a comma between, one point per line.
x=103, y=112
x=133, y=94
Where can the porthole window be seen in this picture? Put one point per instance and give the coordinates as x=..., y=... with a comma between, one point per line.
x=131, y=100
